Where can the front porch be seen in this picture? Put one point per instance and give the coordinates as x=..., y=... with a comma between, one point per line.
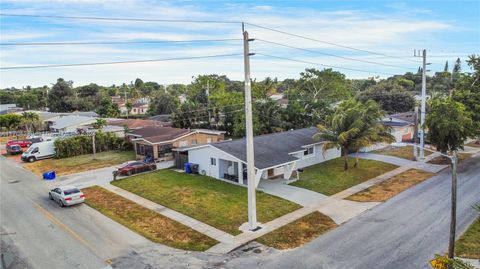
x=236, y=171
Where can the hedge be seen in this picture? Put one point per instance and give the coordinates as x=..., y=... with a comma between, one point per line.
x=79, y=145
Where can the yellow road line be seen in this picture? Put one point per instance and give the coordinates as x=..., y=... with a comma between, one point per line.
x=56, y=221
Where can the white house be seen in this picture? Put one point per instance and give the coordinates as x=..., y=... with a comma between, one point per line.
x=69, y=123
x=276, y=155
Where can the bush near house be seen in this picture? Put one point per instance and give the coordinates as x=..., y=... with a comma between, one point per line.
x=80, y=145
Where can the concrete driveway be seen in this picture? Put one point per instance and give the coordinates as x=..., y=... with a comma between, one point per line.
x=297, y=195
x=100, y=177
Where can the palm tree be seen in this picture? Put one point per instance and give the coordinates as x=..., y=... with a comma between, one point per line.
x=30, y=118
x=353, y=126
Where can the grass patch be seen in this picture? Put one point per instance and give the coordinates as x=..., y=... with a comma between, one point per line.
x=298, y=232
x=146, y=222
x=80, y=163
x=391, y=187
x=441, y=160
x=473, y=145
x=329, y=177
x=219, y=204
x=468, y=246
x=400, y=152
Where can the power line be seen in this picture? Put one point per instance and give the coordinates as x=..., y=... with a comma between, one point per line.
x=117, y=42
x=117, y=19
x=120, y=62
x=329, y=54
x=325, y=65
x=329, y=43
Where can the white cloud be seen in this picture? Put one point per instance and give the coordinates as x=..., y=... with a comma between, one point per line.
x=395, y=34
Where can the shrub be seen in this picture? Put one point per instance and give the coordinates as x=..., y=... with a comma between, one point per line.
x=79, y=145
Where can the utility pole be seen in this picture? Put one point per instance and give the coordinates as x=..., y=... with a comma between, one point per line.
x=208, y=102
x=252, y=207
x=125, y=92
x=93, y=146
x=453, y=210
x=424, y=101
x=415, y=133
x=453, y=216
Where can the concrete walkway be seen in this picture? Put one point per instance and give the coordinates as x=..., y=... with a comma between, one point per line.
x=194, y=224
x=421, y=165
x=297, y=195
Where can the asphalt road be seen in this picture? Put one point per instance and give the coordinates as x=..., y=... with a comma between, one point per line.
x=404, y=232
x=37, y=233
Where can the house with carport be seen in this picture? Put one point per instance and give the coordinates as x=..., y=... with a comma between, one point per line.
x=276, y=155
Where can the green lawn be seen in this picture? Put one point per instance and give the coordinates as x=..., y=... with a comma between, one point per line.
x=400, y=152
x=220, y=204
x=329, y=177
x=80, y=163
x=146, y=222
x=298, y=232
x=468, y=246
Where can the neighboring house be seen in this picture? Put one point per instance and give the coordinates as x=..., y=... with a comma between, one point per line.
x=159, y=142
x=139, y=109
x=9, y=108
x=276, y=155
x=70, y=123
x=133, y=124
x=402, y=126
x=163, y=119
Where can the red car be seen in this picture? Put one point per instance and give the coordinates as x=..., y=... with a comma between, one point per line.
x=24, y=143
x=133, y=167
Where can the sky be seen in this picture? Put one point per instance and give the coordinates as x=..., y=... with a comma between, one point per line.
x=446, y=29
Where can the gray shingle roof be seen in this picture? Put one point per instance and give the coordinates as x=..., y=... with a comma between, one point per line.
x=272, y=149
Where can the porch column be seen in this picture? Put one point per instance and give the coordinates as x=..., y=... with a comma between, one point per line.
x=288, y=170
x=258, y=176
x=240, y=172
x=155, y=151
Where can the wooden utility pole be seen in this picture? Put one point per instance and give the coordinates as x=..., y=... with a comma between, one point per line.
x=252, y=208
x=415, y=134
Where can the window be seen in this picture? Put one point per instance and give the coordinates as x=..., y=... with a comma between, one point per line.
x=308, y=151
x=164, y=150
x=140, y=149
x=209, y=140
x=194, y=141
x=213, y=161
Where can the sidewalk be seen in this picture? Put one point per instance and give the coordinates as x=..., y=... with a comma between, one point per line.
x=196, y=225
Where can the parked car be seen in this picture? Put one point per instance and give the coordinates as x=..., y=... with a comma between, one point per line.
x=14, y=149
x=133, y=167
x=66, y=195
x=24, y=143
x=34, y=140
x=37, y=151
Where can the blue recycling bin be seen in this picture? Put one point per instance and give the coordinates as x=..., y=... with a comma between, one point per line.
x=49, y=175
x=188, y=168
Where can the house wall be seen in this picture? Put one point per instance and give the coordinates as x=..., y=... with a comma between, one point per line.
x=188, y=140
x=318, y=156
x=201, y=156
x=403, y=133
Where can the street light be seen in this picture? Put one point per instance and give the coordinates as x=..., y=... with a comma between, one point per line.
x=453, y=216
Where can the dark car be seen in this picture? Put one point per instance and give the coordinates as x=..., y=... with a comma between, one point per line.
x=35, y=140
x=133, y=167
x=14, y=149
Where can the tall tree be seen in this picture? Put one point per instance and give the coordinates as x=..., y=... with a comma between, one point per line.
x=354, y=125
x=30, y=119
x=467, y=92
x=162, y=103
x=59, y=98
x=392, y=97
x=448, y=123
x=445, y=69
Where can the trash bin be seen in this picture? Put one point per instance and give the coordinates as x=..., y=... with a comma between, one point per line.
x=49, y=175
x=194, y=168
x=188, y=168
